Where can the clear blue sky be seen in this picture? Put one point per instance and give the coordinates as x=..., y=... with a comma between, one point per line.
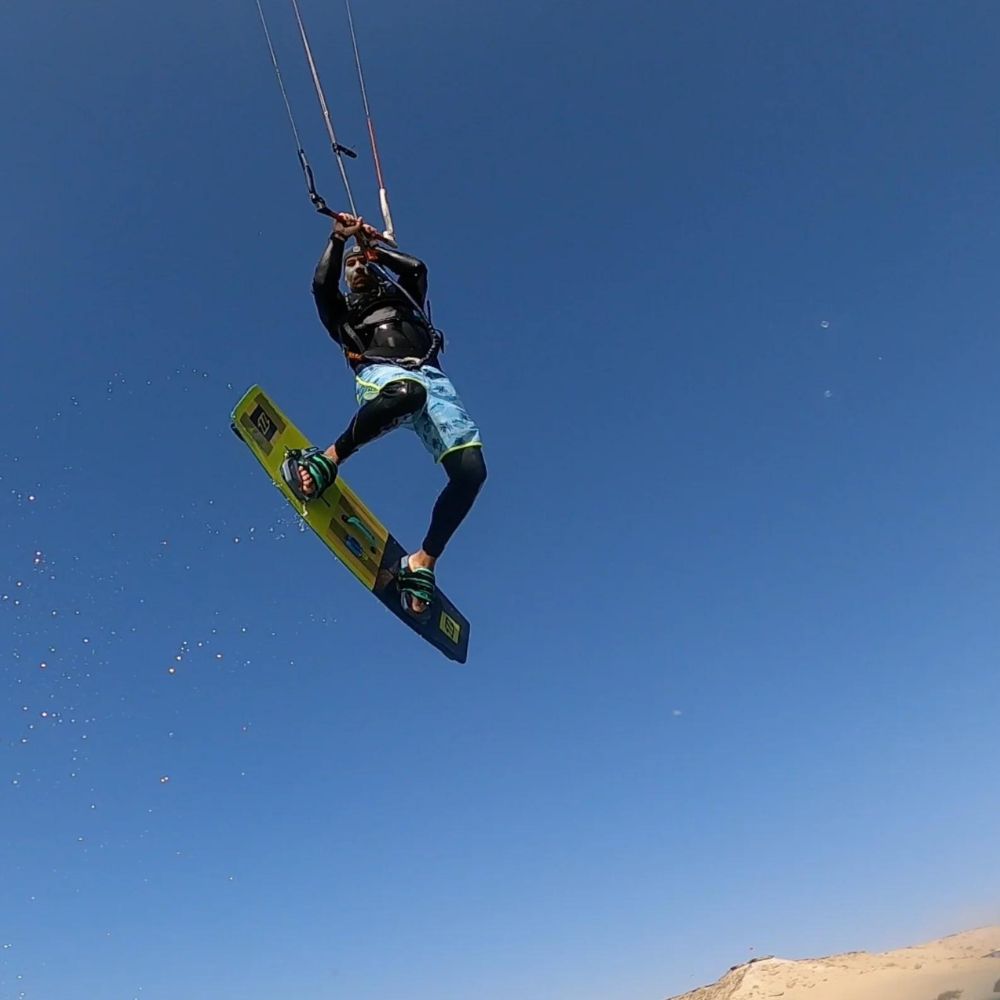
x=720, y=286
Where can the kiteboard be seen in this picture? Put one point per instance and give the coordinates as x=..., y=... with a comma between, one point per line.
x=345, y=524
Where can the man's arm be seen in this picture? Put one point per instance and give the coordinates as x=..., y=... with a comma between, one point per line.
x=412, y=273
x=330, y=302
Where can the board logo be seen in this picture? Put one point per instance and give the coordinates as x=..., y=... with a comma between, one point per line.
x=263, y=423
x=450, y=627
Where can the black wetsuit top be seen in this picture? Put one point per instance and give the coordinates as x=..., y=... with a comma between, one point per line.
x=380, y=323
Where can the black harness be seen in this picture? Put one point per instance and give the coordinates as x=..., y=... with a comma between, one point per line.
x=389, y=295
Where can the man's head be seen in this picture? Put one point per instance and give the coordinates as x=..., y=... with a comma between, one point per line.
x=356, y=272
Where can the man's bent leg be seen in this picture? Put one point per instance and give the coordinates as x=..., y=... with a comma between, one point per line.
x=395, y=402
x=451, y=436
x=466, y=470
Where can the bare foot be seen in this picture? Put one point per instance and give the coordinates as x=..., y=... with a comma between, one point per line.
x=305, y=476
x=307, y=481
x=420, y=560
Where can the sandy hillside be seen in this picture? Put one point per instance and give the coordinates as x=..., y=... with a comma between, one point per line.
x=960, y=967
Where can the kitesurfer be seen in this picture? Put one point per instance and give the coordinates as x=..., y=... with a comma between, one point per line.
x=382, y=326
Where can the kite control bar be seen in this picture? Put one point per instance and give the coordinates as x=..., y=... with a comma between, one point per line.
x=365, y=237
x=319, y=203
x=338, y=149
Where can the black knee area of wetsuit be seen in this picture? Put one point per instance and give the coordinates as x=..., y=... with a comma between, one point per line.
x=466, y=470
x=405, y=394
x=396, y=401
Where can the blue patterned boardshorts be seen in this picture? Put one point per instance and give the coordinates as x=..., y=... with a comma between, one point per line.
x=443, y=424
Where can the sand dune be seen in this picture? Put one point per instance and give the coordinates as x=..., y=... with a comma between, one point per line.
x=960, y=967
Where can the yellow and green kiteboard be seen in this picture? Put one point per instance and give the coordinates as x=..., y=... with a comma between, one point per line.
x=349, y=529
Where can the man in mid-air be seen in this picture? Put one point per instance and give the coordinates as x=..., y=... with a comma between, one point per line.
x=383, y=329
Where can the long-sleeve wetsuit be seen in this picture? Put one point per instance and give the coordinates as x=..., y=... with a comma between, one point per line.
x=383, y=323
